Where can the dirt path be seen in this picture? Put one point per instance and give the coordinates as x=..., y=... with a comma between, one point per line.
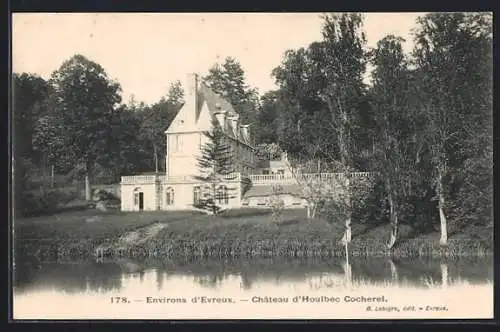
x=140, y=235
x=135, y=237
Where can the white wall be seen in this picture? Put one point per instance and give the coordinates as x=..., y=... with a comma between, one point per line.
x=127, y=197
x=289, y=201
x=183, y=150
x=184, y=195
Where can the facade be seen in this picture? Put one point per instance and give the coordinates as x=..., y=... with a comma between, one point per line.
x=178, y=188
x=260, y=194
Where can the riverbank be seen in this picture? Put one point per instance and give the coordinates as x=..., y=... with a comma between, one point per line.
x=238, y=233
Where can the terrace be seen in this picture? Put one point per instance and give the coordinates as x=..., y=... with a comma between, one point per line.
x=256, y=179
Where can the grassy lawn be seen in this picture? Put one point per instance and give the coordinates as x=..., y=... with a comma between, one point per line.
x=241, y=232
x=76, y=233
x=91, y=224
x=236, y=235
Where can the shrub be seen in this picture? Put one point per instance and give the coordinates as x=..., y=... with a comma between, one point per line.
x=44, y=201
x=246, y=185
x=103, y=195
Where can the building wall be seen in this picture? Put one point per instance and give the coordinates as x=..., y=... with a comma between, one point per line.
x=127, y=196
x=183, y=195
x=244, y=156
x=290, y=201
x=183, y=150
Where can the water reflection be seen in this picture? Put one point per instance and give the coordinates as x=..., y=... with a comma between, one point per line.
x=109, y=276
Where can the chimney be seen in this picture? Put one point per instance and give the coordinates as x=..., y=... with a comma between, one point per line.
x=220, y=115
x=245, y=132
x=192, y=89
x=234, y=122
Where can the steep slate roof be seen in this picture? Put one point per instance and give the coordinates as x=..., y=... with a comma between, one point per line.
x=266, y=190
x=193, y=118
x=205, y=94
x=214, y=101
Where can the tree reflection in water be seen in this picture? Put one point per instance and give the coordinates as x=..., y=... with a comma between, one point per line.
x=74, y=277
x=71, y=277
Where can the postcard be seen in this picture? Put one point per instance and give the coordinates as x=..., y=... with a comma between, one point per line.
x=252, y=166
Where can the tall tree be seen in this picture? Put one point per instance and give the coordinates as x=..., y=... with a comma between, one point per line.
x=268, y=118
x=84, y=103
x=452, y=54
x=389, y=95
x=300, y=125
x=157, y=118
x=175, y=95
x=30, y=97
x=343, y=53
x=128, y=152
x=216, y=166
x=324, y=91
x=229, y=81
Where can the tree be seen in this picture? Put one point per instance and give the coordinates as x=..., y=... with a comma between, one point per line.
x=29, y=96
x=323, y=89
x=175, y=95
x=268, y=117
x=157, y=118
x=85, y=100
x=216, y=168
x=453, y=57
x=267, y=152
x=343, y=53
x=315, y=189
x=128, y=152
x=389, y=96
x=299, y=126
x=229, y=81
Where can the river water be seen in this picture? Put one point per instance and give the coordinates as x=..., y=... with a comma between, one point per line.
x=254, y=289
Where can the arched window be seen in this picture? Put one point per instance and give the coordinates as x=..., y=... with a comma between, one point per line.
x=169, y=196
x=196, y=195
x=222, y=195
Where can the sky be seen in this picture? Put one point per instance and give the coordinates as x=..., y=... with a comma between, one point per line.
x=146, y=52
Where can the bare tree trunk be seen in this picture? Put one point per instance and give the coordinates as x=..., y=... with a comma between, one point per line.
x=442, y=216
x=88, y=188
x=444, y=275
x=344, y=157
x=308, y=189
x=347, y=271
x=348, y=231
x=311, y=209
x=155, y=152
x=394, y=221
x=214, y=190
x=52, y=180
x=394, y=270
